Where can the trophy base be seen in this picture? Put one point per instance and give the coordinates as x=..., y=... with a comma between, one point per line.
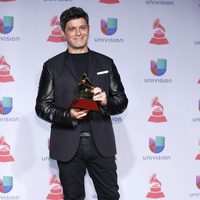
x=85, y=104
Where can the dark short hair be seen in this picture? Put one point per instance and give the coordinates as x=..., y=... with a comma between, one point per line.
x=72, y=13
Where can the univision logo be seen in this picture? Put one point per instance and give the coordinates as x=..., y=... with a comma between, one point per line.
x=157, y=145
x=198, y=155
x=6, y=24
x=116, y=119
x=160, y=3
x=158, y=68
x=6, y=105
x=199, y=104
x=197, y=119
x=109, y=27
x=196, y=194
x=6, y=184
x=198, y=182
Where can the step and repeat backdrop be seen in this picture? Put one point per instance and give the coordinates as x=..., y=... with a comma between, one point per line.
x=155, y=45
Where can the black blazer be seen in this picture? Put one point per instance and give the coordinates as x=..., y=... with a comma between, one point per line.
x=58, y=88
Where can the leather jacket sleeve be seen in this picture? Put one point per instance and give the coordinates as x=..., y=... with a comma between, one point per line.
x=117, y=100
x=45, y=107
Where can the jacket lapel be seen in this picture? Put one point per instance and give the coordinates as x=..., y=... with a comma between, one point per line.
x=92, y=66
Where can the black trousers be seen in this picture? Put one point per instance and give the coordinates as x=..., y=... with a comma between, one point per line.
x=101, y=170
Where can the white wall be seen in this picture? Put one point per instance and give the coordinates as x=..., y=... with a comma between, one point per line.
x=26, y=48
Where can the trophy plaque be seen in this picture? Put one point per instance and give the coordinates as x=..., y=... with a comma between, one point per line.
x=84, y=98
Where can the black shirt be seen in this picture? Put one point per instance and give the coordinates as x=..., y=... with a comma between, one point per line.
x=81, y=63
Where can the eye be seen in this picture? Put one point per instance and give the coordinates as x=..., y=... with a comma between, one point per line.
x=83, y=28
x=71, y=29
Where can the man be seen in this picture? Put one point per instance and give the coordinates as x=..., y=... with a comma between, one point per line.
x=80, y=138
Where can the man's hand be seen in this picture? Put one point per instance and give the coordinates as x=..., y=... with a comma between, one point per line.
x=100, y=96
x=77, y=113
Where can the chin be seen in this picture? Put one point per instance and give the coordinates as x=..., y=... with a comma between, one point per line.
x=80, y=46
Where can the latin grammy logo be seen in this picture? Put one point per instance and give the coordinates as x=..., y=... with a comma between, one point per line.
x=56, y=191
x=157, y=113
x=6, y=0
x=5, y=71
x=197, y=156
x=155, y=190
x=159, y=34
x=5, y=151
x=57, y=33
x=109, y=1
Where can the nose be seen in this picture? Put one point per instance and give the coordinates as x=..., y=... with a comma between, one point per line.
x=78, y=31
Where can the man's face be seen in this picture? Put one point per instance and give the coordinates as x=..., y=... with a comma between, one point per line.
x=76, y=33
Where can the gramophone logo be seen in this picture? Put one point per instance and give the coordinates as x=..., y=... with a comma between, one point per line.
x=158, y=68
x=5, y=71
x=6, y=0
x=157, y=145
x=6, y=24
x=198, y=81
x=6, y=184
x=57, y=34
x=56, y=191
x=6, y=105
x=5, y=151
x=157, y=113
x=198, y=182
x=155, y=190
x=109, y=1
x=109, y=27
x=159, y=34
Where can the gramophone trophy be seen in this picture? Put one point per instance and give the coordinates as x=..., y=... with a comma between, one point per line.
x=84, y=98
x=159, y=34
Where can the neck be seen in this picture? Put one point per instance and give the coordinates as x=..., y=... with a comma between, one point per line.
x=77, y=51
